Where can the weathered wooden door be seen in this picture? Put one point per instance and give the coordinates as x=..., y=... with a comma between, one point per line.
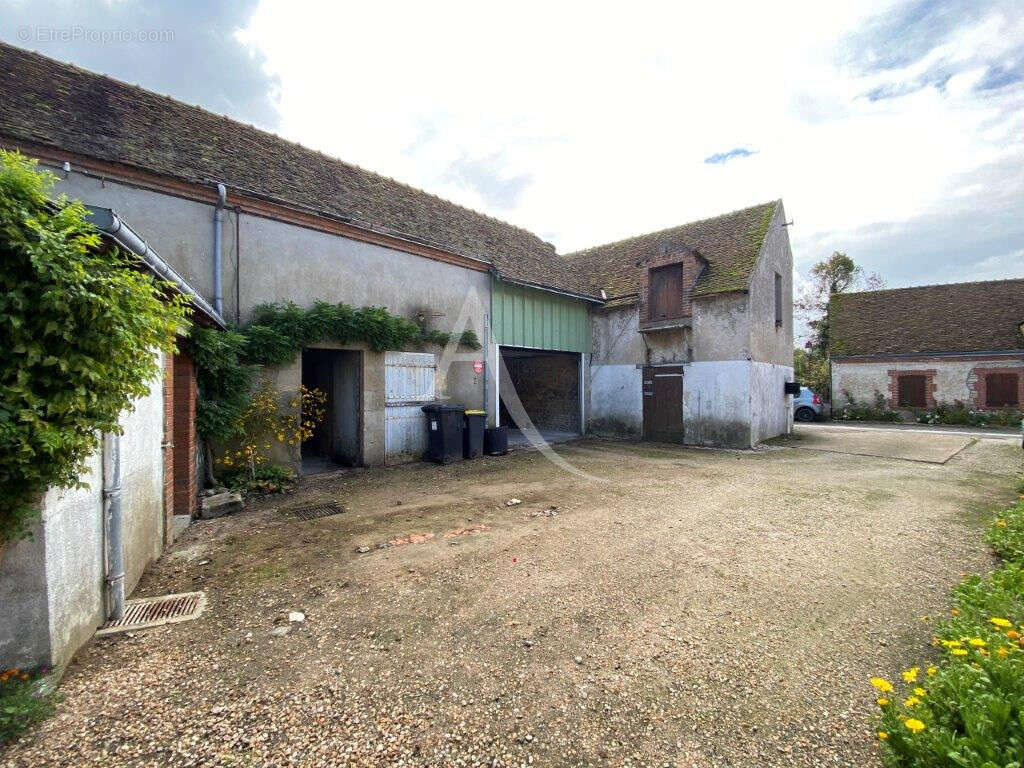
x=663, y=403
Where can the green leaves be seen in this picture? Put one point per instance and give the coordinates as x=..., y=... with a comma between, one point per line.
x=80, y=327
x=226, y=361
x=973, y=710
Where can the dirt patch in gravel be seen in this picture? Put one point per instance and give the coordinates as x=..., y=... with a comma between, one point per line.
x=687, y=608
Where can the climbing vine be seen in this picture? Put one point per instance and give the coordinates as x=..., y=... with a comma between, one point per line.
x=227, y=361
x=79, y=324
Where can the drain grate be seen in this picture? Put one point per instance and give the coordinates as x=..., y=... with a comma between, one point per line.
x=156, y=611
x=315, y=511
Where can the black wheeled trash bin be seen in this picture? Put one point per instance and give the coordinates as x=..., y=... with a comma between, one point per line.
x=473, y=436
x=496, y=441
x=444, y=432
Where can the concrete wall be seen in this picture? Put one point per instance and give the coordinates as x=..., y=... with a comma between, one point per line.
x=548, y=387
x=52, y=586
x=770, y=343
x=721, y=327
x=283, y=262
x=771, y=410
x=955, y=379
x=716, y=404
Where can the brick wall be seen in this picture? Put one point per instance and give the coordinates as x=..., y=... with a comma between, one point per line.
x=186, y=481
x=929, y=385
x=549, y=389
x=692, y=266
x=168, y=441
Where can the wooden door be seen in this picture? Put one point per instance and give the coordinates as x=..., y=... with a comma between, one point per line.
x=663, y=403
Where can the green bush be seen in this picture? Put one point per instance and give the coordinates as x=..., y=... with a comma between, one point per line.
x=21, y=703
x=967, y=709
x=227, y=361
x=854, y=411
x=960, y=414
x=78, y=323
x=269, y=478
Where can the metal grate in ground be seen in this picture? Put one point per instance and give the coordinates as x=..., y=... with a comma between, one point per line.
x=156, y=611
x=315, y=511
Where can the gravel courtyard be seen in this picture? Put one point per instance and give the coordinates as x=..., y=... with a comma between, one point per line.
x=668, y=607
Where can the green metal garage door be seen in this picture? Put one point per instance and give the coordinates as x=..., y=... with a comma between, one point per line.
x=526, y=317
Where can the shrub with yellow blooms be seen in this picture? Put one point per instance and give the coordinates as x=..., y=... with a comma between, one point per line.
x=967, y=709
x=268, y=420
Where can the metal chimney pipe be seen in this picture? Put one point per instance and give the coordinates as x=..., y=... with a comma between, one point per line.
x=218, y=222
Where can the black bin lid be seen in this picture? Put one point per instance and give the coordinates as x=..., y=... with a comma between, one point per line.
x=442, y=408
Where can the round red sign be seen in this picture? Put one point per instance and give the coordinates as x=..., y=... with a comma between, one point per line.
x=478, y=366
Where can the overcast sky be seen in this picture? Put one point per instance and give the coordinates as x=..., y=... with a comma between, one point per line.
x=894, y=132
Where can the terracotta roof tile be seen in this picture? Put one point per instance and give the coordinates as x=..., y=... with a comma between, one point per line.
x=961, y=317
x=57, y=105
x=730, y=243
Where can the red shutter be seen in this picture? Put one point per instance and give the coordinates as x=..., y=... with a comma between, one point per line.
x=912, y=394
x=1001, y=390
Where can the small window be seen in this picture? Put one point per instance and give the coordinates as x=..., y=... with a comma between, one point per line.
x=912, y=391
x=1001, y=390
x=778, y=300
x=666, y=299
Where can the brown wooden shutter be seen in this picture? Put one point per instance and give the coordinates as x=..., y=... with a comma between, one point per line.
x=666, y=292
x=1001, y=390
x=912, y=394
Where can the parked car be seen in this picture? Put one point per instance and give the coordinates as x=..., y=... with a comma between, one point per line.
x=806, y=405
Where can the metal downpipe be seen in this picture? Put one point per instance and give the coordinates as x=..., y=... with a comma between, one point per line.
x=113, y=525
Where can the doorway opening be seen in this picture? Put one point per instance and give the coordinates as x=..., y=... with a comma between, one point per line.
x=336, y=441
x=548, y=386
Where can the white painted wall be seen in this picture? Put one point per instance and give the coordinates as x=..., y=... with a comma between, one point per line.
x=716, y=403
x=53, y=585
x=616, y=400
x=771, y=409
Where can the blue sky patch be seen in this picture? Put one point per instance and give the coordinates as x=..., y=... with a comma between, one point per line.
x=723, y=157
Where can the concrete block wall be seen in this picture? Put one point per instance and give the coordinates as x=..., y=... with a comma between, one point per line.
x=548, y=387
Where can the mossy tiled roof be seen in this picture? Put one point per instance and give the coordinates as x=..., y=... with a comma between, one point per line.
x=960, y=317
x=730, y=243
x=49, y=103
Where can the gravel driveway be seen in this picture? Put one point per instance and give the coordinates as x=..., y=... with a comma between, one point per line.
x=686, y=608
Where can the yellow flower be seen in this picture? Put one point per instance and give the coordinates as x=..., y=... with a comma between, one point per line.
x=1000, y=523
x=958, y=652
x=920, y=692
x=952, y=643
x=883, y=701
x=1001, y=623
x=911, y=674
x=882, y=735
x=954, y=612
x=932, y=671
x=881, y=684
x=912, y=701
x=913, y=725
x=977, y=642
x=1002, y=651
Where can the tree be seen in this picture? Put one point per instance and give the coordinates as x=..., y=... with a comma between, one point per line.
x=836, y=274
x=78, y=324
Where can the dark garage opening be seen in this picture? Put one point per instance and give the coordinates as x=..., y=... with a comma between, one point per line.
x=336, y=440
x=548, y=386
